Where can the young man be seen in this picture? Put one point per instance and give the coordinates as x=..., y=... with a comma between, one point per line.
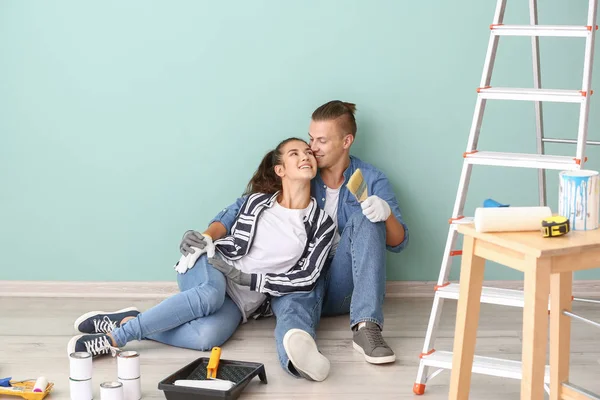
x=355, y=279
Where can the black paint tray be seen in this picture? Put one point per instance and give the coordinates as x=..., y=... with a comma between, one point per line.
x=239, y=372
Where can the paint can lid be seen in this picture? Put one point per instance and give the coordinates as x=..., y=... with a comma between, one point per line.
x=129, y=354
x=582, y=173
x=111, y=385
x=80, y=354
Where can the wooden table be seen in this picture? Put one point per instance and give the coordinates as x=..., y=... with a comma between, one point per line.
x=548, y=265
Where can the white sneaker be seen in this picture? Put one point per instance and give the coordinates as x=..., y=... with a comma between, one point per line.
x=303, y=353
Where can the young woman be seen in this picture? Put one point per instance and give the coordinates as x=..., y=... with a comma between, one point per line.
x=278, y=245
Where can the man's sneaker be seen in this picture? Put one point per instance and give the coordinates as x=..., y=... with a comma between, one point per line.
x=97, y=345
x=369, y=342
x=304, y=355
x=102, y=321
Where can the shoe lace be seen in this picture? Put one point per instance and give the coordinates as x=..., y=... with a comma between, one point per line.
x=100, y=345
x=104, y=325
x=375, y=338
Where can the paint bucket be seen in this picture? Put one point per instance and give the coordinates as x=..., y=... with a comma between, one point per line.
x=579, y=198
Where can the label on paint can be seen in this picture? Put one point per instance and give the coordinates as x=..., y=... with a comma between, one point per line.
x=132, y=388
x=128, y=365
x=80, y=366
x=80, y=390
x=111, y=391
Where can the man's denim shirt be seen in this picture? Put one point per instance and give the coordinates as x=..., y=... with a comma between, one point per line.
x=377, y=184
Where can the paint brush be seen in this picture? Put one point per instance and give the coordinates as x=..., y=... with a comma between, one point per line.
x=357, y=186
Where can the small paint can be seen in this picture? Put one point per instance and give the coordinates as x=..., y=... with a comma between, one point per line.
x=128, y=365
x=80, y=366
x=132, y=388
x=80, y=390
x=111, y=391
x=579, y=198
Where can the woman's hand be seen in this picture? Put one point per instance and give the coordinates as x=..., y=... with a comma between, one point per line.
x=232, y=273
x=192, y=239
x=196, y=245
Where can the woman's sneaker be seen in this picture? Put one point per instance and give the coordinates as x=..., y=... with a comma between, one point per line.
x=97, y=345
x=102, y=321
x=304, y=355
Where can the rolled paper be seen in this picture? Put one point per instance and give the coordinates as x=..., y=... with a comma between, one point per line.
x=510, y=219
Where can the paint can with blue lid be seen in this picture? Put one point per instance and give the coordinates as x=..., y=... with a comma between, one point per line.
x=579, y=198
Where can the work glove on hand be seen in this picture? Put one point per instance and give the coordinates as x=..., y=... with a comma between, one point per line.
x=232, y=273
x=195, y=245
x=191, y=239
x=376, y=209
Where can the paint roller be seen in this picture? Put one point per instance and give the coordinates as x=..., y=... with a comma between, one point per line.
x=510, y=219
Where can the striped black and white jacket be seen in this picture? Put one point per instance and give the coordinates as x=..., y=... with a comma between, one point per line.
x=303, y=276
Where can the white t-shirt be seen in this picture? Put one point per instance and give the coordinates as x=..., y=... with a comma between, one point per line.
x=331, y=208
x=278, y=244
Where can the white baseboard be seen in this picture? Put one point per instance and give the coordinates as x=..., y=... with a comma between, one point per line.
x=159, y=290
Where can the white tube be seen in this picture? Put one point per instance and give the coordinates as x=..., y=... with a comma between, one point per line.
x=510, y=219
x=80, y=390
x=111, y=391
x=128, y=365
x=579, y=199
x=132, y=388
x=80, y=366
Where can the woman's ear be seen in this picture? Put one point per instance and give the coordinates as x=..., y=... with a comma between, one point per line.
x=279, y=171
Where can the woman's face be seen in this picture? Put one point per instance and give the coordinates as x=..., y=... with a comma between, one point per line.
x=299, y=163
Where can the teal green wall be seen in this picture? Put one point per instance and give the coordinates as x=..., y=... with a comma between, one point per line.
x=123, y=124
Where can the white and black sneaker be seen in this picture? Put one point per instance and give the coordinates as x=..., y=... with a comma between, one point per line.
x=103, y=321
x=304, y=355
x=97, y=345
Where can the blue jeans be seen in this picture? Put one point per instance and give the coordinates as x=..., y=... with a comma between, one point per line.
x=200, y=317
x=360, y=258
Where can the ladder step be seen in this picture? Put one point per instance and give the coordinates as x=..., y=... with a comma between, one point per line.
x=523, y=160
x=541, y=30
x=554, y=95
x=482, y=365
x=489, y=295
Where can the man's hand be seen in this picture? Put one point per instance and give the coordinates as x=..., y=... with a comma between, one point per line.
x=376, y=209
x=232, y=273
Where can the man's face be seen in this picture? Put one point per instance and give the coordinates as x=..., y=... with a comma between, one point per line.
x=327, y=142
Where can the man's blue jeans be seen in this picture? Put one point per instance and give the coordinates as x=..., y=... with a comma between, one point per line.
x=200, y=317
x=353, y=283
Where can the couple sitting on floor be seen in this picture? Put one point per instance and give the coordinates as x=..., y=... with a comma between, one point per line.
x=297, y=245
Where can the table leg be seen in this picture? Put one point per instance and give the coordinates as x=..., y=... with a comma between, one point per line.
x=561, y=287
x=535, y=328
x=467, y=319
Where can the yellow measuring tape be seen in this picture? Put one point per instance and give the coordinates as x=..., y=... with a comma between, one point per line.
x=555, y=226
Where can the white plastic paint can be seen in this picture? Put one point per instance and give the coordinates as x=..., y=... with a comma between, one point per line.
x=579, y=198
x=111, y=391
x=80, y=366
x=80, y=390
x=128, y=365
x=132, y=388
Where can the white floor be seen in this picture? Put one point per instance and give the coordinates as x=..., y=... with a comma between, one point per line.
x=34, y=333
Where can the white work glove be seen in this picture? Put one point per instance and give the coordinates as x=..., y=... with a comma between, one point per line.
x=187, y=262
x=376, y=209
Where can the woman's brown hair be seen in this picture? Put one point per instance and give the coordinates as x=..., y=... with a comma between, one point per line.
x=265, y=180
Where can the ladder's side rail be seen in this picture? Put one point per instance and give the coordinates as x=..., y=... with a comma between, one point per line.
x=539, y=116
x=586, y=89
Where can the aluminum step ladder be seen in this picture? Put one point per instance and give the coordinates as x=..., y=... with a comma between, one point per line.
x=472, y=156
